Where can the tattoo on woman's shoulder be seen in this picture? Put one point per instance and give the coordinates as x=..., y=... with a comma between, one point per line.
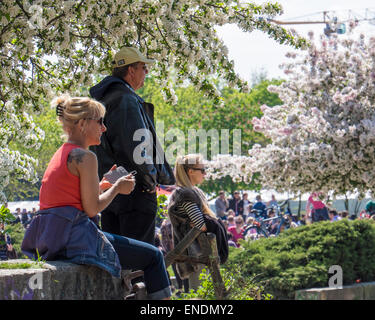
x=77, y=155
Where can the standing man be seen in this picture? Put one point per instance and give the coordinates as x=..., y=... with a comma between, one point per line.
x=244, y=206
x=221, y=205
x=130, y=141
x=234, y=203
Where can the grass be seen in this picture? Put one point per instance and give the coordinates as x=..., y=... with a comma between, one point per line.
x=20, y=265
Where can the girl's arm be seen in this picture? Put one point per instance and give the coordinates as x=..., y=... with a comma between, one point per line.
x=195, y=215
x=86, y=167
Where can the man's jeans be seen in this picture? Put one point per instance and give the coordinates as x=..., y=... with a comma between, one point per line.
x=138, y=255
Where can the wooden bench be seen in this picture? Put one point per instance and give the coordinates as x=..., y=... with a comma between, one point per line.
x=209, y=257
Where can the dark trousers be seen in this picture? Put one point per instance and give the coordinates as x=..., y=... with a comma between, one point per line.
x=137, y=255
x=320, y=215
x=132, y=216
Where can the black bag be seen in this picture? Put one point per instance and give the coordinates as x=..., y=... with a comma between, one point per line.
x=217, y=227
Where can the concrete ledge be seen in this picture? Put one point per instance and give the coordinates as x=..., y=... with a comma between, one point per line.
x=360, y=291
x=58, y=280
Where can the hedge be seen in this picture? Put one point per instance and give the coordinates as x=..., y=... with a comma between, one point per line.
x=300, y=258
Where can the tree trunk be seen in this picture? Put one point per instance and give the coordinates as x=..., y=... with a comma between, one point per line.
x=299, y=205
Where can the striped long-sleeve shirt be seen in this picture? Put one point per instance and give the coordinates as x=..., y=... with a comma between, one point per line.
x=195, y=215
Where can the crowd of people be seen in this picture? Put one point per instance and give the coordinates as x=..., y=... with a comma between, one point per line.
x=240, y=214
x=24, y=216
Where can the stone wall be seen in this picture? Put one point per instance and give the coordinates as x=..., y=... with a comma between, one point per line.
x=360, y=291
x=57, y=280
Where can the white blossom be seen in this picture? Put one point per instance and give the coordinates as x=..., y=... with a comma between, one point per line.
x=323, y=135
x=48, y=47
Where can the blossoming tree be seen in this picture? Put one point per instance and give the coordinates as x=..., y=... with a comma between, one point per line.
x=48, y=47
x=323, y=136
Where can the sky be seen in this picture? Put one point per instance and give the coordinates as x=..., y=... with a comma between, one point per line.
x=255, y=52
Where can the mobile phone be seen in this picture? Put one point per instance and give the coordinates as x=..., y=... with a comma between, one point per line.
x=113, y=175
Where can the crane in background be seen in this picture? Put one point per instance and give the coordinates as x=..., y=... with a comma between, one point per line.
x=333, y=24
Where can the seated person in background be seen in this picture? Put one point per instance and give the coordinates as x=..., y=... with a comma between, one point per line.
x=370, y=207
x=272, y=224
x=6, y=249
x=249, y=208
x=249, y=232
x=70, y=196
x=363, y=214
x=230, y=220
x=260, y=206
x=334, y=215
x=231, y=243
x=225, y=223
x=237, y=230
x=344, y=214
x=189, y=208
x=296, y=220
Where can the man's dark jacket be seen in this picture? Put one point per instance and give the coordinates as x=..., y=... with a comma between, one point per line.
x=234, y=204
x=126, y=113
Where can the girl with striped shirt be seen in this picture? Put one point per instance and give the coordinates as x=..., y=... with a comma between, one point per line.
x=188, y=208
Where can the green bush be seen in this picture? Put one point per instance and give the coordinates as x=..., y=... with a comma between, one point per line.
x=300, y=258
x=238, y=287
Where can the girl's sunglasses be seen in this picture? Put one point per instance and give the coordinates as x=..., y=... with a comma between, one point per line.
x=202, y=170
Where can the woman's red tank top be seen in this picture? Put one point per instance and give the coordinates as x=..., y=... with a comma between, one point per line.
x=59, y=186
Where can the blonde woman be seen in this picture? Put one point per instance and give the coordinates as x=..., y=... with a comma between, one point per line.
x=188, y=206
x=70, y=195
